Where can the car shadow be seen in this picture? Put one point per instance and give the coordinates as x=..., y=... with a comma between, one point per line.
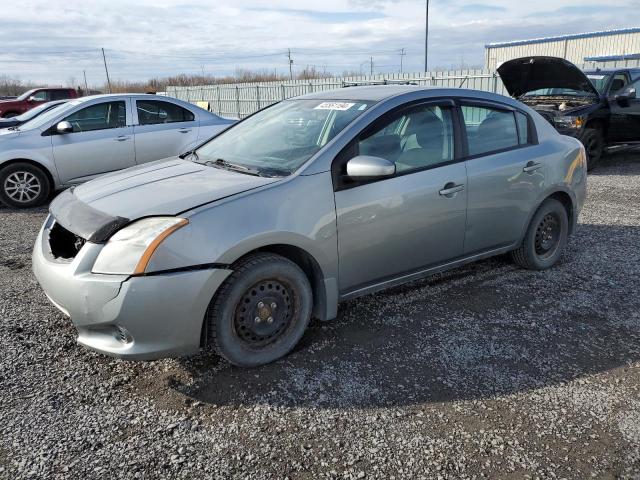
x=482, y=330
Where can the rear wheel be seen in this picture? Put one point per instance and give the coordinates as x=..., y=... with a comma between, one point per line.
x=261, y=311
x=546, y=237
x=23, y=185
x=593, y=142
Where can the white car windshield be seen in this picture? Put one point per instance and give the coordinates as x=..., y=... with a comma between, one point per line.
x=279, y=139
x=47, y=117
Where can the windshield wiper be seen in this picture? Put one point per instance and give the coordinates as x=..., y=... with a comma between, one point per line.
x=15, y=127
x=221, y=163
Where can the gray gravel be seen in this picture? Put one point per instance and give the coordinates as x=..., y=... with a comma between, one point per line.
x=487, y=371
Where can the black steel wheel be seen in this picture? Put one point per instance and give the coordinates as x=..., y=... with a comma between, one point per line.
x=593, y=142
x=261, y=310
x=264, y=313
x=546, y=237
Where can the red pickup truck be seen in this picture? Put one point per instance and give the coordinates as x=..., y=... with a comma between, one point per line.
x=33, y=98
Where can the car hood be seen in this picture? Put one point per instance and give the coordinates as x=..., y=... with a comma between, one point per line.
x=6, y=134
x=527, y=74
x=165, y=187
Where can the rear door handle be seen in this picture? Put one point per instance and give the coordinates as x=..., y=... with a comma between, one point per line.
x=531, y=167
x=450, y=189
x=184, y=130
x=122, y=138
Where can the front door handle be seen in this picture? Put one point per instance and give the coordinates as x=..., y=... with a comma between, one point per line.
x=531, y=167
x=122, y=138
x=450, y=189
x=184, y=130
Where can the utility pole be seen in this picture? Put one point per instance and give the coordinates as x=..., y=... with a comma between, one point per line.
x=106, y=70
x=290, y=65
x=426, y=39
x=371, y=66
x=86, y=88
x=402, y=54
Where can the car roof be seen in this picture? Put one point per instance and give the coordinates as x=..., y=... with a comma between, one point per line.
x=368, y=92
x=379, y=93
x=611, y=70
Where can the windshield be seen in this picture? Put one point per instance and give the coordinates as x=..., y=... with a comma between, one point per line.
x=599, y=81
x=49, y=115
x=34, y=112
x=279, y=139
x=26, y=94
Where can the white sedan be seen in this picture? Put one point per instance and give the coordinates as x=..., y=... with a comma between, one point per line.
x=90, y=136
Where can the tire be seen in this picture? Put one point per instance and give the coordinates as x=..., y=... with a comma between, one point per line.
x=23, y=185
x=260, y=312
x=549, y=222
x=10, y=115
x=593, y=142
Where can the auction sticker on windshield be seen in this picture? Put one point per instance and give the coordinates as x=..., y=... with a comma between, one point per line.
x=334, y=106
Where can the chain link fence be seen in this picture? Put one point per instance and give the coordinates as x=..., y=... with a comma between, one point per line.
x=242, y=99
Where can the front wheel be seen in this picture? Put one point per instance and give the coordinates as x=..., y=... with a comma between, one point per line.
x=546, y=237
x=261, y=311
x=23, y=185
x=593, y=142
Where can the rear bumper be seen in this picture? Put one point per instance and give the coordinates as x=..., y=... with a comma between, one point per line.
x=136, y=318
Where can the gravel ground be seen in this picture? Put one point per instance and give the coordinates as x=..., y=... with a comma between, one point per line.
x=487, y=371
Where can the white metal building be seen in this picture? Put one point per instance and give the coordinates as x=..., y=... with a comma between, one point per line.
x=577, y=48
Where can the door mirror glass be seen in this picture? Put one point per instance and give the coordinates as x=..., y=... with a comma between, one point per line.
x=624, y=96
x=64, y=127
x=365, y=167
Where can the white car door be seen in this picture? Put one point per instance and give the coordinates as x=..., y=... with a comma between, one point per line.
x=100, y=142
x=163, y=129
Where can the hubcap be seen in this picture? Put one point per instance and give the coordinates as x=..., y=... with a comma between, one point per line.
x=547, y=235
x=264, y=313
x=22, y=187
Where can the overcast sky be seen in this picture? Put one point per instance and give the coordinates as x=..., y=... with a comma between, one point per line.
x=52, y=41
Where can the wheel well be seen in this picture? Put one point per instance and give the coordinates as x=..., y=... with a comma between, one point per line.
x=565, y=199
x=35, y=164
x=598, y=124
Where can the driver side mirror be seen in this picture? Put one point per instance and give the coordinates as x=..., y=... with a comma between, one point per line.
x=64, y=127
x=624, y=96
x=365, y=167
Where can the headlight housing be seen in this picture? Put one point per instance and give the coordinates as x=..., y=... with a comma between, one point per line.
x=568, y=122
x=129, y=250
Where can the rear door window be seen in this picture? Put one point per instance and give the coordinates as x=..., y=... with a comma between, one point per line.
x=152, y=112
x=490, y=129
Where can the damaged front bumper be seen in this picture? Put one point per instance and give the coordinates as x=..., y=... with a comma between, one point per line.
x=133, y=317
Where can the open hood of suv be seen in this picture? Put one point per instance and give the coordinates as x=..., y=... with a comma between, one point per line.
x=527, y=74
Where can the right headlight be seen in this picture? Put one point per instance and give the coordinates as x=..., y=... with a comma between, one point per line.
x=129, y=250
x=568, y=121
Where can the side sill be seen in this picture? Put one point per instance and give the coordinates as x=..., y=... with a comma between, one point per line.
x=410, y=277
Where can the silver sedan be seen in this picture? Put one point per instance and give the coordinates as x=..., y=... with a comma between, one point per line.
x=90, y=136
x=310, y=202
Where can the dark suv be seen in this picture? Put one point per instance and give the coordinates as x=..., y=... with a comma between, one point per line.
x=33, y=98
x=599, y=107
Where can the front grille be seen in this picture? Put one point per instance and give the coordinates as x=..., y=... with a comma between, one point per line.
x=63, y=243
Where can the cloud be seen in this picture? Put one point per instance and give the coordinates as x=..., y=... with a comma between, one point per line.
x=150, y=38
x=481, y=8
